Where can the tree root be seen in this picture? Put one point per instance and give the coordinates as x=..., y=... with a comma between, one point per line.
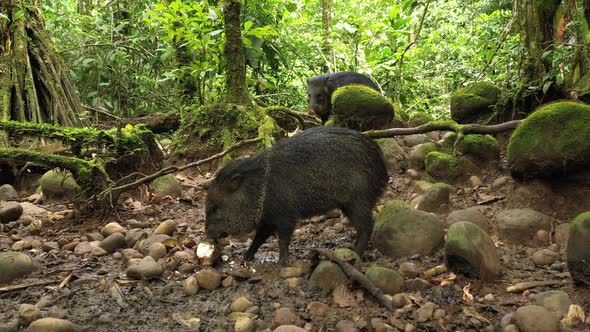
x=444, y=125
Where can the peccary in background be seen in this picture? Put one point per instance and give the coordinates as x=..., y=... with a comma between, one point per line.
x=309, y=174
x=320, y=89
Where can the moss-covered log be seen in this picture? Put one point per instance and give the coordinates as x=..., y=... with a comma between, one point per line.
x=90, y=175
x=444, y=125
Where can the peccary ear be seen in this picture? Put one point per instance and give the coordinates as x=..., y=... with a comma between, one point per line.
x=233, y=182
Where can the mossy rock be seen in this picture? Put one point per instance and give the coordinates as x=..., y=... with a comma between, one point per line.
x=419, y=153
x=167, y=185
x=387, y=280
x=58, y=184
x=362, y=108
x=328, y=275
x=582, y=88
x=395, y=156
x=402, y=231
x=443, y=165
x=555, y=139
x=474, y=103
x=482, y=147
x=208, y=129
x=578, y=249
x=419, y=118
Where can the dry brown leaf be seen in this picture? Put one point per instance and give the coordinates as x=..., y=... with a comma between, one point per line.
x=467, y=297
x=343, y=297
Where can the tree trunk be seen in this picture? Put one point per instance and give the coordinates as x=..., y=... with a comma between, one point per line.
x=34, y=85
x=236, y=88
x=327, y=50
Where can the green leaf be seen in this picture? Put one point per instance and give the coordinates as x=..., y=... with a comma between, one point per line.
x=248, y=25
x=546, y=86
x=18, y=15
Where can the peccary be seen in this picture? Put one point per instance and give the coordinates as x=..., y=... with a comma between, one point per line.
x=320, y=89
x=321, y=169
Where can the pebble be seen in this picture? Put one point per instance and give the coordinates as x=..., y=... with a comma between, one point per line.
x=111, y=228
x=156, y=251
x=145, y=268
x=318, y=309
x=190, y=286
x=228, y=282
x=291, y=272
x=398, y=300
x=83, y=248
x=424, y=313
x=346, y=326
x=489, y=298
x=167, y=227
x=209, y=279
x=244, y=324
x=475, y=181
x=241, y=304
x=510, y=328
x=113, y=242
x=439, y=313
x=289, y=328
x=286, y=316
x=409, y=270
x=292, y=282
x=409, y=328
x=50, y=324
x=29, y=312
x=544, y=257
x=98, y=252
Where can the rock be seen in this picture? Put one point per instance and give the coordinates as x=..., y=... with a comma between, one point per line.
x=167, y=227
x=209, y=279
x=360, y=107
x=130, y=253
x=475, y=181
x=8, y=193
x=29, y=313
x=416, y=284
x=379, y=325
x=474, y=103
x=52, y=325
x=542, y=238
x=143, y=245
x=291, y=272
x=394, y=155
x=289, y=328
x=422, y=186
x=435, y=198
x=190, y=286
x=166, y=185
x=402, y=231
x=473, y=215
x=500, y=182
x=441, y=165
x=328, y=275
x=49, y=245
x=145, y=268
x=244, y=324
x=556, y=301
x=519, y=226
x=56, y=184
x=346, y=326
x=398, y=300
x=413, y=140
x=98, y=252
x=510, y=328
x=544, y=257
x=135, y=235
x=10, y=211
x=111, y=228
x=413, y=174
x=439, y=313
x=419, y=118
x=83, y=248
x=419, y=153
x=387, y=280
x=286, y=316
x=292, y=282
x=534, y=318
x=157, y=251
x=538, y=149
x=424, y=313
x=562, y=233
x=471, y=251
x=409, y=328
x=14, y=265
x=318, y=309
x=31, y=209
x=480, y=147
x=578, y=249
x=489, y=297
x=113, y=242
x=409, y=270
x=241, y=304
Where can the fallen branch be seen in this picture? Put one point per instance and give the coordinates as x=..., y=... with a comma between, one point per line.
x=444, y=125
x=25, y=286
x=532, y=284
x=357, y=276
x=114, y=193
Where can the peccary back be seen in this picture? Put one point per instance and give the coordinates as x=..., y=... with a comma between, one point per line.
x=320, y=89
x=321, y=169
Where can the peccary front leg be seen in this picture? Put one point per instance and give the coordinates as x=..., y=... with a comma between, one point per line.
x=285, y=233
x=262, y=233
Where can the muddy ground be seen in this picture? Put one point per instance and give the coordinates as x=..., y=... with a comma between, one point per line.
x=96, y=294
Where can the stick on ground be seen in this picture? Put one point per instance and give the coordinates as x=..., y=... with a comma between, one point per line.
x=357, y=276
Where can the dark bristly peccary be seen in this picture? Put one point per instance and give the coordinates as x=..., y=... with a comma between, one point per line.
x=320, y=89
x=321, y=169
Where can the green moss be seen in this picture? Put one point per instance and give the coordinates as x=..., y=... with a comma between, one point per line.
x=349, y=256
x=481, y=146
x=211, y=128
x=473, y=103
x=360, y=107
x=419, y=118
x=554, y=138
x=428, y=147
x=581, y=220
x=443, y=165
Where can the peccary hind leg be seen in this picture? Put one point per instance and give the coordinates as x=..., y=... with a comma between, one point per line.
x=362, y=221
x=285, y=233
x=262, y=233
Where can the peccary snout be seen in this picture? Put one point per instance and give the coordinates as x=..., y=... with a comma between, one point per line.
x=311, y=173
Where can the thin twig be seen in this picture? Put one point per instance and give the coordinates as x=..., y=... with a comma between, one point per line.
x=25, y=286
